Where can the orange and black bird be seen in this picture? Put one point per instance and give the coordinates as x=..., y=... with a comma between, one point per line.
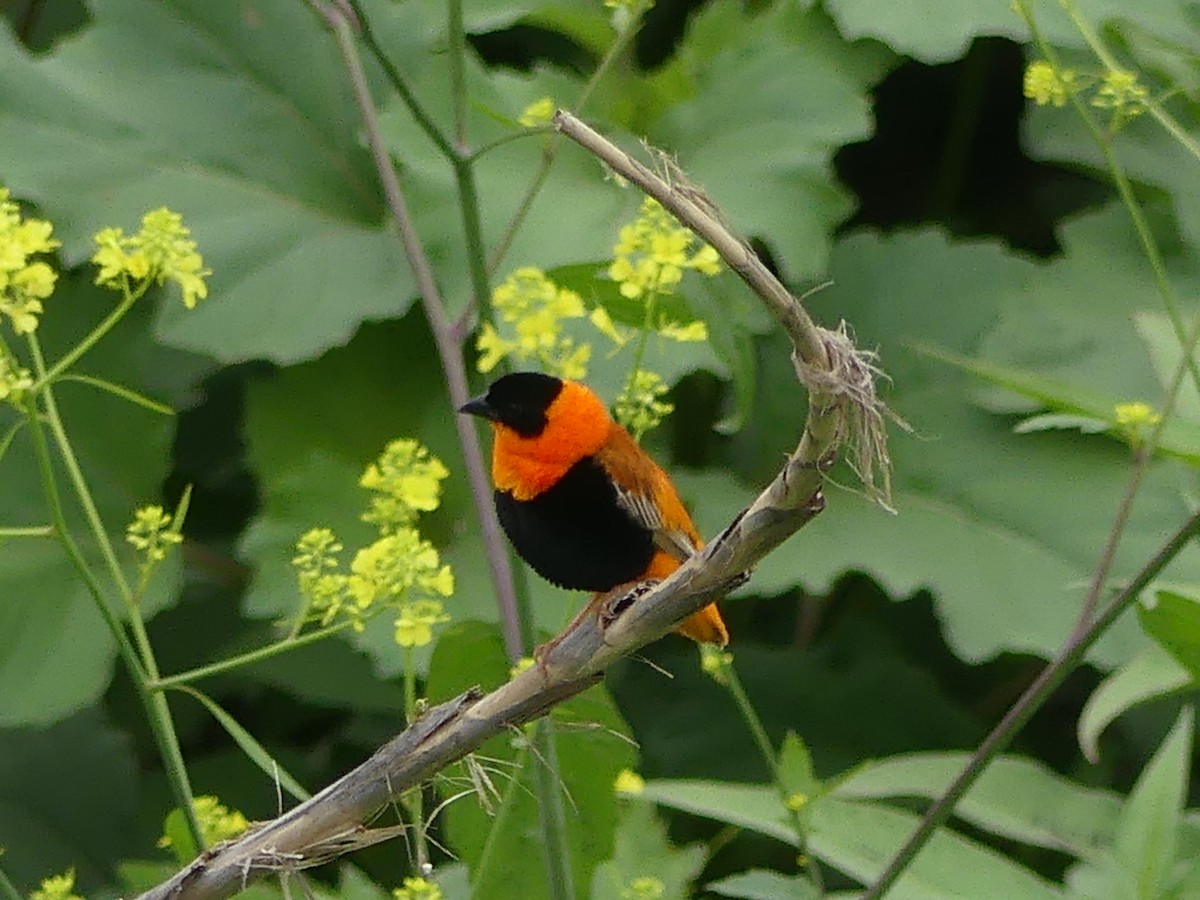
x=581, y=502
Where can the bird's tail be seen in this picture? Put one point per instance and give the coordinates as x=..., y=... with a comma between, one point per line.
x=705, y=627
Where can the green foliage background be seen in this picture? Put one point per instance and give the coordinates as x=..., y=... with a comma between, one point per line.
x=881, y=145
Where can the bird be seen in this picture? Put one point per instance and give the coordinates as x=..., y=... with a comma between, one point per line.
x=583, y=504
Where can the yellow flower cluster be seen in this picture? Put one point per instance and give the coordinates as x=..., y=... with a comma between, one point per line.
x=533, y=309
x=640, y=406
x=1043, y=84
x=217, y=822
x=400, y=571
x=418, y=889
x=715, y=662
x=161, y=251
x=1135, y=420
x=151, y=532
x=652, y=253
x=405, y=482
x=57, y=887
x=24, y=284
x=1119, y=91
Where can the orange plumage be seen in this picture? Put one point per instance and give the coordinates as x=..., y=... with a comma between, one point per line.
x=582, y=503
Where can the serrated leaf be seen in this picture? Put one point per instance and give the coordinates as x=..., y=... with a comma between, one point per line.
x=282, y=196
x=1173, y=619
x=1150, y=675
x=1147, y=835
x=641, y=850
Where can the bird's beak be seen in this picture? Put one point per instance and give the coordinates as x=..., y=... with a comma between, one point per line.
x=479, y=406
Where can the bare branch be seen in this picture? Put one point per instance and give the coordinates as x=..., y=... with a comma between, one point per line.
x=842, y=408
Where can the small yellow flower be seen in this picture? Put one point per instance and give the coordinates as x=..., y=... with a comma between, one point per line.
x=538, y=113
x=14, y=380
x=152, y=533
x=607, y=327
x=692, y=332
x=715, y=663
x=1119, y=91
x=414, y=625
x=57, y=887
x=629, y=783
x=523, y=664
x=1046, y=85
x=640, y=407
x=644, y=888
x=797, y=801
x=1135, y=420
x=418, y=889
x=161, y=251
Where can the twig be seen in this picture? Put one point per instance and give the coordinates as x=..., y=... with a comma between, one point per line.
x=625, y=622
x=516, y=628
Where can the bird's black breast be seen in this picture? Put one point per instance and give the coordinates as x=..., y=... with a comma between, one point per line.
x=575, y=534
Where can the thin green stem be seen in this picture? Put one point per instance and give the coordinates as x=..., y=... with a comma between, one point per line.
x=458, y=60
x=10, y=435
x=106, y=325
x=552, y=819
x=750, y=715
x=500, y=824
x=420, y=115
x=550, y=151
x=525, y=134
x=26, y=531
x=414, y=799
x=145, y=669
x=121, y=391
x=245, y=659
x=1035, y=695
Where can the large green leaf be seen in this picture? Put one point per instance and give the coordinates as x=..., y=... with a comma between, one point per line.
x=47, y=823
x=859, y=839
x=764, y=884
x=242, y=120
x=941, y=31
x=1015, y=798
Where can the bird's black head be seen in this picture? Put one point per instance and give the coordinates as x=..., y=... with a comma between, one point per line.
x=519, y=400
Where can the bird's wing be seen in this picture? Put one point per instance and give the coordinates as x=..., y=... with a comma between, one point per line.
x=645, y=492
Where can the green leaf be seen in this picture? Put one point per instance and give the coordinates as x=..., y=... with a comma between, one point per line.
x=774, y=82
x=942, y=30
x=249, y=744
x=99, y=136
x=796, y=768
x=764, y=884
x=48, y=824
x=859, y=839
x=1014, y=798
x=53, y=641
x=1173, y=619
x=1147, y=838
x=591, y=748
x=641, y=850
x=1150, y=675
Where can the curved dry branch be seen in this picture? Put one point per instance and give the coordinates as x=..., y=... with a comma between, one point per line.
x=842, y=408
